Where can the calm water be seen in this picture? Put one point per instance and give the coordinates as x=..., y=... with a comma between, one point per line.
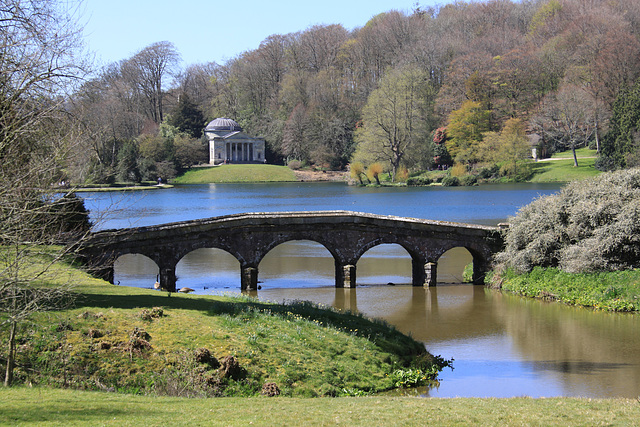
x=502, y=345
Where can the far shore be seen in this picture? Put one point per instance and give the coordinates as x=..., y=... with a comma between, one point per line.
x=116, y=187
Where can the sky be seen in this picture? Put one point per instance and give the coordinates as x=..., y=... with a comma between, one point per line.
x=214, y=31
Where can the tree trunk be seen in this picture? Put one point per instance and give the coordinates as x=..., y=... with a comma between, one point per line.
x=8, y=378
x=575, y=157
x=597, y=132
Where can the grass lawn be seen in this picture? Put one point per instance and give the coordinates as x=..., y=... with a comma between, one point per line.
x=563, y=170
x=141, y=341
x=237, y=173
x=583, y=152
x=39, y=406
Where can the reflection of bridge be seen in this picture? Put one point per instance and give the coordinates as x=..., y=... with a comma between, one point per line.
x=249, y=237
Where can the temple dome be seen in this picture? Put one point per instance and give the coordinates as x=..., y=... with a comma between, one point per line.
x=223, y=124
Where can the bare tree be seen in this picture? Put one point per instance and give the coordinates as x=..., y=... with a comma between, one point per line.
x=569, y=118
x=38, y=43
x=147, y=71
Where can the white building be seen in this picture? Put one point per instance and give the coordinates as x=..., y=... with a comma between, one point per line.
x=229, y=144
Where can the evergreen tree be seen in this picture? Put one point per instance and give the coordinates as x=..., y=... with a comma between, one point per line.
x=187, y=117
x=621, y=144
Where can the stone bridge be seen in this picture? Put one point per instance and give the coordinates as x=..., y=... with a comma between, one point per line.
x=249, y=237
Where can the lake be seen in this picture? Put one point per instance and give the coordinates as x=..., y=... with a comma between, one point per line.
x=502, y=345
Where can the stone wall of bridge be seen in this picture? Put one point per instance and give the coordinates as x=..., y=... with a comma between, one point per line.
x=249, y=237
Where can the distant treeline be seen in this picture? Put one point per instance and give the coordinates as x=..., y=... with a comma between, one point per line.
x=327, y=96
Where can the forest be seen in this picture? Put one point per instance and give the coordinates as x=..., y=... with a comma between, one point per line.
x=465, y=86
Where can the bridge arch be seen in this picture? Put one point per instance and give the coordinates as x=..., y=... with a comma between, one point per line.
x=480, y=257
x=216, y=267
x=304, y=262
x=148, y=270
x=387, y=262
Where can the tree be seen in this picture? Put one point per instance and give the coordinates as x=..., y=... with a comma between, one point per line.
x=465, y=131
x=147, y=70
x=623, y=138
x=187, y=117
x=357, y=169
x=373, y=172
x=569, y=117
x=294, y=144
x=508, y=148
x=394, y=118
x=38, y=43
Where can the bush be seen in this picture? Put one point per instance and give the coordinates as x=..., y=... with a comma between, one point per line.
x=450, y=181
x=468, y=180
x=294, y=164
x=417, y=181
x=604, y=163
x=591, y=225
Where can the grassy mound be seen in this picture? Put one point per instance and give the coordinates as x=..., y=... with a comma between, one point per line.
x=237, y=173
x=146, y=342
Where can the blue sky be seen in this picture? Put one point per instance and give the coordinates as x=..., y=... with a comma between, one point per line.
x=215, y=31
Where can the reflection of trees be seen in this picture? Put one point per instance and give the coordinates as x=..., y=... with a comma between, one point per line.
x=458, y=313
x=588, y=351
x=594, y=350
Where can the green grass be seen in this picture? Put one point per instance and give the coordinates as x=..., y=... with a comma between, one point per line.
x=563, y=170
x=304, y=349
x=583, y=152
x=237, y=173
x=611, y=291
x=47, y=407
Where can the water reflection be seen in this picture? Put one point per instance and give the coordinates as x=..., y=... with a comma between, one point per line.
x=503, y=345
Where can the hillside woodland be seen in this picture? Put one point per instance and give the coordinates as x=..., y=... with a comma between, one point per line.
x=466, y=84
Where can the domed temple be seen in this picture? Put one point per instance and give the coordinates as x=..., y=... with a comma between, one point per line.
x=229, y=144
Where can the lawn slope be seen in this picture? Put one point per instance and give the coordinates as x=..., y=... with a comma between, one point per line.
x=237, y=173
x=149, y=342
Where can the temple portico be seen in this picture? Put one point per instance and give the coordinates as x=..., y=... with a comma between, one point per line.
x=228, y=143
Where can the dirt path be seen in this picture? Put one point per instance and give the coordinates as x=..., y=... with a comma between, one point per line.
x=321, y=176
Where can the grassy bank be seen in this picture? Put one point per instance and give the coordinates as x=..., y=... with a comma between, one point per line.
x=237, y=173
x=64, y=407
x=563, y=170
x=144, y=342
x=611, y=291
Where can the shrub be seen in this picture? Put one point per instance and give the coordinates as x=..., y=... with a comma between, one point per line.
x=402, y=174
x=458, y=170
x=450, y=181
x=374, y=172
x=294, y=164
x=468, y=180
x=357, y=170
x=591, y=225
x=417, y=181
